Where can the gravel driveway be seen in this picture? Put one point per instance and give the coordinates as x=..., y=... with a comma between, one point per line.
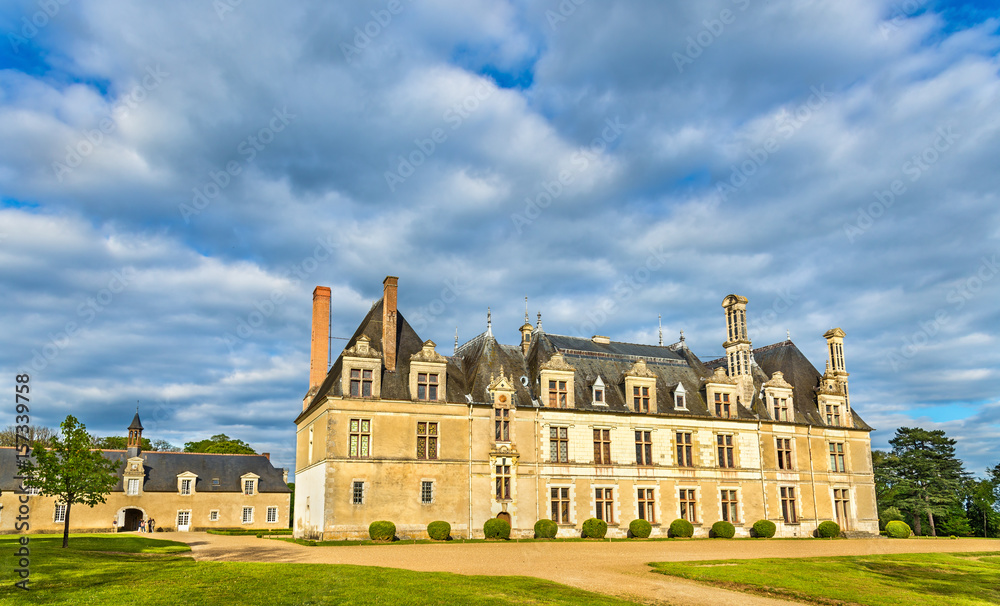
x=617, y=568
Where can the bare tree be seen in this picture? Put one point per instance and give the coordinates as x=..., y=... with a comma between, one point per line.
x=35, y=433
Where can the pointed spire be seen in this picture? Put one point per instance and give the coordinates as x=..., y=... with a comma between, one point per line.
x=659, y=318
x=489, y=321
x=526, y=320
x=539, y=326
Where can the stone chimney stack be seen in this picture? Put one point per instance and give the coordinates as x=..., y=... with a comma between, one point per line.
x=320, y=350
x=389, y=286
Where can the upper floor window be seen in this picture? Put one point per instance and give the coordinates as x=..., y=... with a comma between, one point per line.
x=186, y=486
x=360, y=438
x=503, y=480
x=722, y=405
x=249, y=486
x=837, y=462
x=557, y=394
x=427, y=440
x=133, y=487
x=559, y=444
x=361, y=383
x=725, y=445
x=602, y=447
x=784, y=448
x=643, y=448
x=427, y=386
x=684, y=454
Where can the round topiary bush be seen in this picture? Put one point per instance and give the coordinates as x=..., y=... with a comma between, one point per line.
x=764, y=529
x=546, y=529
x=595, y=529
x=439, y=530
x=495, y=528
x=898, y=529
x=640, y=529
x=723, y=530
x=681, y=528
x=381, y=530
x=828, y=530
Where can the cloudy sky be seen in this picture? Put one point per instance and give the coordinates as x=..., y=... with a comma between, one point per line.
x=175, y=179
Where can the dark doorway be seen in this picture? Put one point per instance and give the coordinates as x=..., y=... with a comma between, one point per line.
x=503, y=515
x=132, y=517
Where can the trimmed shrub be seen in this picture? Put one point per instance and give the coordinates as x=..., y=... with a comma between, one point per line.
x=595, y=529
x=723, y=530
x=382, y=530
x=546, y=529
x=439, y=530
x=828, y=530
x=495, y=528
x=763, y=529
x=898, y=529
x=681, y=528
x=640, y=529
x=260, y=536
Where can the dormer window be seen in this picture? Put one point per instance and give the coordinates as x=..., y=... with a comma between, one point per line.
x=680, y=397
x=599, y=398
x=362, y=374
x=640, y=388
x=556, y=380
x=361, y=383
x=186, y=486
x=186, y=483
x=427, y=386
x=428, y=370
x=249, y=487
x=557, y=394
x=249, y=482
x=723, y=407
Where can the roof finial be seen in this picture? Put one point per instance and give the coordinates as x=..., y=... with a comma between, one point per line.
x=526, y=320
x=489, y=321
x=456, y=340
x=788, y=335
x=682, y=336
x=659, y=319
x=539, y=326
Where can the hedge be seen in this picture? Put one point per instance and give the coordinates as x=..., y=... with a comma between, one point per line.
x=595, y=529
x=381, y=530
x=546, y=529
x=828, y=530
x=723, y=530
x=640, y=529
x=764, y=529
x=495, y=528
x=439, y=530
x=681, y=528
x=898, y=529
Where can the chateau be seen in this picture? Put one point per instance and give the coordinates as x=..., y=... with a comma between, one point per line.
x=179, y=490
x=570, y=428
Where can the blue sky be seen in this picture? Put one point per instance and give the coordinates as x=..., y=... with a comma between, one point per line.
x=176, y=179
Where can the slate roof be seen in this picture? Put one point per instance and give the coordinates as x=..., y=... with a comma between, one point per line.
x=162, y=469
x=473, y=364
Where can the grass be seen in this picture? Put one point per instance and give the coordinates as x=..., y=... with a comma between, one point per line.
x=137, y=571
x=239, y=532
x=878, y=580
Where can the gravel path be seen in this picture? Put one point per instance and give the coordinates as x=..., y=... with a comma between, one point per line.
x=617, y=569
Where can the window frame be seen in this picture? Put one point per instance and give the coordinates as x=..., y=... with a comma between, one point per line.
x=358, y=492
x=726, y=450
x=426, y=492
x=788, y=500
x=723, y=405
x=185, y=515
x=602, y=446
x=271, y=519
x=833, y=415
x=129, y=483
x=501, y=421
x=59, y=513
x=687, y=502
x=558, y=393
x=604, y=504
x=243, y=516
x=427, y=386
x=185, y=486
x=358, y=447
x=644, y=448
x=249, y=487
x=685, y=449
x=503, y=478
x=428, y=440
x=645, y=504
x=783, y=452
x=729, y=501
x=213, y=515
x=558, y=444
x=559, y=504
x=838, y=457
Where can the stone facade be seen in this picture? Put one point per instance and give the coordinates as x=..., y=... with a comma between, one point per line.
x=568, y=428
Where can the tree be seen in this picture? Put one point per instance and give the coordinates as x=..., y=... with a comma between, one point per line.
x=923, y=475
x=980, y=505
x=164, y=446
x=221, y=444
x=36, y=433
x=118, y=443
x=70, y=470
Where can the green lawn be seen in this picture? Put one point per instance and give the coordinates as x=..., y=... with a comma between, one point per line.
x=878, y=580
x=150, y=572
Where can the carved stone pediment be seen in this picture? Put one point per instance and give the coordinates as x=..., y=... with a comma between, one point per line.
x=557, y=362
x=639, y=369
x=720, y=377
x=428, y=354
x=362, y=349
x=778, y=380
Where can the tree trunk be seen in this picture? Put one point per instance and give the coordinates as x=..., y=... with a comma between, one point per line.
x=930, y=518
x=69, y=504
x=916, y=523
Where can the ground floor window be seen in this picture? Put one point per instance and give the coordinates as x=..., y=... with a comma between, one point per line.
x=688, y=505
x=248, y=515
x=60, y=514
x=605, y=500
x=184, y=518
x=272, y=515
x=426, y=492
x=213, y=516
x=358, y=493
x=560, y=505
x=729, y=513
x=646, y=505
x=842, y=506
x=788, y=505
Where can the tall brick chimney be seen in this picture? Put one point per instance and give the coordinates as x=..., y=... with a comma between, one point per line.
x=320, y=352
x=389, y=322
